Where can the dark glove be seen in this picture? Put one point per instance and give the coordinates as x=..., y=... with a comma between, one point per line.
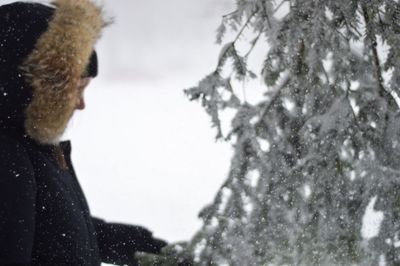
x=145, y=242
x=154, y=245
x=148, y=245
x=118, y=243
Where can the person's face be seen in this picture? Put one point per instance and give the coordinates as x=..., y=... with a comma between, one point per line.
x=83, y=83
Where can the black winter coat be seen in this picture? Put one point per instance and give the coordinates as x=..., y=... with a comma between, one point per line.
x=44, y=216
x=45, y=219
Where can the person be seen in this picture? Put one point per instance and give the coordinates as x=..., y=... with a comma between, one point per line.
x=47, y=59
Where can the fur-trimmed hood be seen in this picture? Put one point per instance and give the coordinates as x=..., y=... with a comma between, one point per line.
x=39, y=80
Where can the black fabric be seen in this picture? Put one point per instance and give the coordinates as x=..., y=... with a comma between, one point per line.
x=21, y=24
x=46, y=220
x=45, y=216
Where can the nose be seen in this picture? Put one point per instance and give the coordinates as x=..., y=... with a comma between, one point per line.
x=83, y=83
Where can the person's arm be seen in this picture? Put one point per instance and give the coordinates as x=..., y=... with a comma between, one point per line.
x=17, y=204
x=119, y=242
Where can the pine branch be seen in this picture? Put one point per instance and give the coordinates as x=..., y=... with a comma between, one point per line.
x=279, y=6
x=230, y=14
x=272, y=102
x=351, y=107
x=227, y=49
x=378, y=69
x=266, y=16
x=350, y=25
x=245, y=26
x=235, y=172
x=254, y=42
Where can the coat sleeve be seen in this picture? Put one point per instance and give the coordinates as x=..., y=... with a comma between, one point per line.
x=17, y=203
x=119, y=242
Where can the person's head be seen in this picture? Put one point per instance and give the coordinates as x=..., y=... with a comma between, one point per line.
x=47, y=58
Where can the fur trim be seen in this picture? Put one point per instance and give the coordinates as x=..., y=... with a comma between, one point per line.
x=54, y=67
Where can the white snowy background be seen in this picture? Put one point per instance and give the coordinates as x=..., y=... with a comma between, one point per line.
x=144, y=154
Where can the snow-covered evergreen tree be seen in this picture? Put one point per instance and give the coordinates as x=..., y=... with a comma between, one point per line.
x=320, y=146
